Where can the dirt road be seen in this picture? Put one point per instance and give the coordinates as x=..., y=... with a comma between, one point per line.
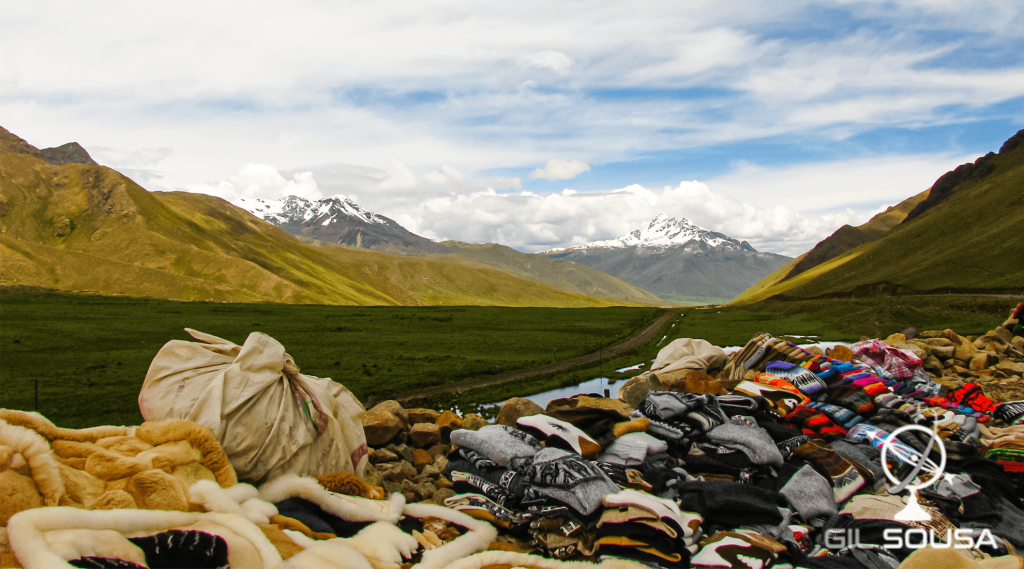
x=612, y=351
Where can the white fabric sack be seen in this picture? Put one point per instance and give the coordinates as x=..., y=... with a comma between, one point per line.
x=270, y=419
x=687, y=353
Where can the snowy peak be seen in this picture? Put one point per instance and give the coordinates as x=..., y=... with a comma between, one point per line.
x=664, y=231
x=294, y=209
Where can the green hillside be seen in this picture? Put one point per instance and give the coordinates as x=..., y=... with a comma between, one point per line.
x=79, y=227
x=564, y=275
x=970, y=240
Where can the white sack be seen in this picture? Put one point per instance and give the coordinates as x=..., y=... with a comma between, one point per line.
x=270, y=419
x=687, y=353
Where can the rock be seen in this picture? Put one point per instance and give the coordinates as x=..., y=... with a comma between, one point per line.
x=965, y=351
x=431, y=472
x=441, y=462
x=392, y=487
x=949, y=381
x=635, y=390
x=393, y=407
x=380, y=426
x=423, y=435
x=910, y=333
x=953, y=337
x=403, y=451
x=943, y=341
x=841, y=353
x=515, y=408
x=443, y=482
x=1018, y=343
x=439, y=450
x=896, y=339
x=943, y=352
x=396, y=471
x=448, y=422
x=423, y=416
x=380, y=455
x=421, y=458
x=1004, y=334
x=690, y=381
x=932, y=364
x=982, y=360
x=931, y=334
x=372, y=476
x=1011, y=367
x=586, y=403
x=438, y=498
x=414, y=492
x=473, y=422
x=914, y=349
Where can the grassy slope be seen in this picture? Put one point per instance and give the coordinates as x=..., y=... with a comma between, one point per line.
x=968, y=242
x=571, y=277
x=79, y=227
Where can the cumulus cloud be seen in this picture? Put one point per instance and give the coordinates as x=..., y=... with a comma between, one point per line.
x=141, y=158
x=531, y=222
x=262, y=181
x=554, y=60
x=560, y=169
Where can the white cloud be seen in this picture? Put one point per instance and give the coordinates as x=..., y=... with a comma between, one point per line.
x=560, y=169
x=262, y=181
x=141, y=158
x=554, y=60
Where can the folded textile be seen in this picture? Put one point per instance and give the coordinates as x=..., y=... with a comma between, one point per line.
x=739, y=550
x=752, y=440
x=504, y=445
x=811, y=496
x=631, y=449
x=570, y=479
x=560, y=434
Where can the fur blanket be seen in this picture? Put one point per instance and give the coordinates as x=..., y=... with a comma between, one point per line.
x=151, y=466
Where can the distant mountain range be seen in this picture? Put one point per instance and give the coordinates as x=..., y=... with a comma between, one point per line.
x=677, y=260
x=68, y=224
x=961, y=235
x=338, y=220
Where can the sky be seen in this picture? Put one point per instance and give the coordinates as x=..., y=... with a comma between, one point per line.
x=532, y=124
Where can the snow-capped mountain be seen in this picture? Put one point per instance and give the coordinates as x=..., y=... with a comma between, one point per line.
x=677, y=260
x=340, y=220
x=294, y=209
x=662, y=231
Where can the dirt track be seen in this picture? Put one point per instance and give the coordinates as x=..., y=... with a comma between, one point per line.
x=617, y=350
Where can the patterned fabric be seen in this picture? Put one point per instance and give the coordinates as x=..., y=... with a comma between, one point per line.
x=738, y=550
x=781, y=400
x=103, y=563
x=897, y=363
x=570, y=479
x=814, y=424
x=175, y=549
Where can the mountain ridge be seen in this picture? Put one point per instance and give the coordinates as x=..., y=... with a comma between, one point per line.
x=80, y=227
x=677, y=260
x=965, y=239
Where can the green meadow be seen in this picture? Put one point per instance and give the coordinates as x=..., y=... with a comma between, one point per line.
x=88, y=355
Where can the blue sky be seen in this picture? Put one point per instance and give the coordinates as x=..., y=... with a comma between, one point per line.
x=530, y=124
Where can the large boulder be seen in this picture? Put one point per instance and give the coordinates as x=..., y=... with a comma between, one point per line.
x=636, y=389
x=473, y=422
x=515, y=408
x=423, y=416
x=380, y=426
x=447, y=422
x=943, y=352
x=423, y=435
x=841, y=353
x=393, y=407
x=982, y=360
